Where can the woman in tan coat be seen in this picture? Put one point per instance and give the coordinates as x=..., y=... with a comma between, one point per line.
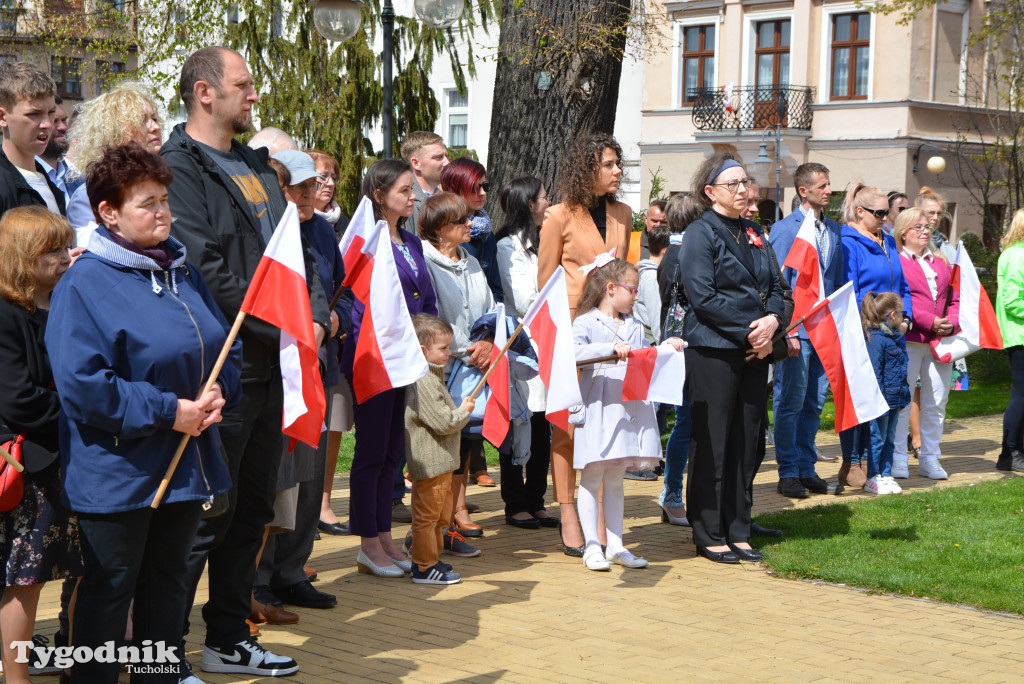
x=588, y=221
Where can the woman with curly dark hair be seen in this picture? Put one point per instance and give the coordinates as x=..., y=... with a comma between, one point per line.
x=588, y=221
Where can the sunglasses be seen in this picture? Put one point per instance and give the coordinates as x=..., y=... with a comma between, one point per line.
x=463, y=219
x=633, y=289
x=900, y=210
x=485, y=186
x=921, y=228
x=877, y=213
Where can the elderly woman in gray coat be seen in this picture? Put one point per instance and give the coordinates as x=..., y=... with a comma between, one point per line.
x=463, y=295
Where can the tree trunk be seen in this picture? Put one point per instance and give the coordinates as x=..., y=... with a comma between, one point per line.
x=579, y=44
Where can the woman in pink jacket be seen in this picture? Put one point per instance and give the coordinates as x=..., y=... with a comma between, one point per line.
x=936, y=307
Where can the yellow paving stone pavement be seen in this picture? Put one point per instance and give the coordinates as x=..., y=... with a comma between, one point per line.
x=527, y=613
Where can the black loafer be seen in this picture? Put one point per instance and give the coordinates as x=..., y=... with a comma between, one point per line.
x=548, y=521
x=793, y=488
x=816, y=485
x=303, y=594
x=332, y=528
x=758, y=531
x=718, y=556
x=264, y=595
x=528, y=524
x=747, y=554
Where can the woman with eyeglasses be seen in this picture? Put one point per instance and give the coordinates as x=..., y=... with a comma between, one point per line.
x=936, y=314
x=589, y=220
x=328, y=169
x=736, y=306
x=873, y=264
x=445, y=224
x=898, y=202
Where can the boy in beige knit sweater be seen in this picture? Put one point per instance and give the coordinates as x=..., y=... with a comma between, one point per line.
x=433, y=427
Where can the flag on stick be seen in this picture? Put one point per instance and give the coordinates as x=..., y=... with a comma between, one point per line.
x=979, y=328
x=803, y=259
x=499, y=404
x=655, y=374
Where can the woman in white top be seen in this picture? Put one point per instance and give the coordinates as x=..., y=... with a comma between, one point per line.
x=524, y=201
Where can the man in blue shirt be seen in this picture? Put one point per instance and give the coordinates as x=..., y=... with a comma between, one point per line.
x=800, y=383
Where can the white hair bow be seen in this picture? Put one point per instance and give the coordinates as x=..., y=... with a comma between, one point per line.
x=599, y=261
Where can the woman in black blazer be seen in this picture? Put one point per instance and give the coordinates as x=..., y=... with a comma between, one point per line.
x=736, y=307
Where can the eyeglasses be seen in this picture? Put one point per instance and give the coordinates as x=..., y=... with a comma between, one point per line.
x=633, y=289
x=919, y=228
x=733, y=186
x=900, y=210
x=308, y=186
x=328, y=179
x=485, y=186
x=877, y=213
x=898, y=315
x=463, y=219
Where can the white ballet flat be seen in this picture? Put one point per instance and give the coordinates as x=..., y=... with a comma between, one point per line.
x=626, y=559
x=368, y=567
x=595, y=560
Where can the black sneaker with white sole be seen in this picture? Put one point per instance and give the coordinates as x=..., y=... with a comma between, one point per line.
x=247, y=657
x=435, y=575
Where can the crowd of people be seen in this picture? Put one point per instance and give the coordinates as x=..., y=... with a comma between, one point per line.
x=124, y=258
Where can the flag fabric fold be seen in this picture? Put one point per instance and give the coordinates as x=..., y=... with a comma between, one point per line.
x=499, y=403
x=388, y=354
x=278, y=295
x=979, y=328
x=550, y=327
x=834, y=327
x=803, y=259
x=655, y=374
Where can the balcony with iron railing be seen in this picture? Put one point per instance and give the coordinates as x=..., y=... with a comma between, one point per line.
x=751, y=107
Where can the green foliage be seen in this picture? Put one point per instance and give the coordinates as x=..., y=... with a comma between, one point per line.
x=962, y=545
x=460, y=152
x=657, y=186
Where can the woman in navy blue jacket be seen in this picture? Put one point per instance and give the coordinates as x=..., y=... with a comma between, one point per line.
x=737, y=304
x=872, y=265
x=133, y=335
x=380, y=420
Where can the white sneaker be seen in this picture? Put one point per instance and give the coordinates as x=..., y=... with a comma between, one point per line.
x=626, y=559
x=930, y=468
x=900, y=470
x=875, y=486
x=595, y=560
x=247, y=657
x=891, y=486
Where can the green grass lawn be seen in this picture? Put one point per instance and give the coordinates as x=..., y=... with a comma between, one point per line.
x=956, y=544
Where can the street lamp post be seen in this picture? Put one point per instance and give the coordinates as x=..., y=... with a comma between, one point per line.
x=339, y=20
x=763, y=160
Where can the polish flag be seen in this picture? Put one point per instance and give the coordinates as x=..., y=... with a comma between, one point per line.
x=979, y=328
x=499, y=404
x=655, y=374
x=803, y=258
x=278, y=295
x=835, y=330
x=550, y=327
x=388, y=353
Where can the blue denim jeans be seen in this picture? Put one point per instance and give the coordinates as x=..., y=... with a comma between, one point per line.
x=800, y=387
x=883, y=436
x=677, y=452
x=855, y=442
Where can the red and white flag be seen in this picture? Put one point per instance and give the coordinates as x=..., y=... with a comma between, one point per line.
x=550, y=327
x=655, y=374
x=388, y=354
x=803, y=258
x=278, y=295
x=979, y=328
x=499, y=403
x=835, y=330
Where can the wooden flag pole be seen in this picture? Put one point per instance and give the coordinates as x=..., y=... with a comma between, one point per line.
x=225, y=350
x=600, y=359
x=494, y=364
x=337, y=296
x=779, y=335
x=10, y=460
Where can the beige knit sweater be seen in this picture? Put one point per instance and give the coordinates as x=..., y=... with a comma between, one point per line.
x=433, y=426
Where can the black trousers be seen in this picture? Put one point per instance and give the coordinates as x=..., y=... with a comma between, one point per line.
x=523, y=487
x=252, y=440
x=136, y=554
x=1013, y=419
x=727, y=401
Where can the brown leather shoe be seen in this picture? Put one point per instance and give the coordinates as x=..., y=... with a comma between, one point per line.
x=310, y=573
x=481, y=478
x=271, y=615
x=254, y=630
x=853, y=474
x=465, y=526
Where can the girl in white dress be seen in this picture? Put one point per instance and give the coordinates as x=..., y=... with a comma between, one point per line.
x=613, y=434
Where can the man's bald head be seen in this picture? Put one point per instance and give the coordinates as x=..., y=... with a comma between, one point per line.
x=274, y=139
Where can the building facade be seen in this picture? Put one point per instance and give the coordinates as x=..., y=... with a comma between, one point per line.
x=870, y=98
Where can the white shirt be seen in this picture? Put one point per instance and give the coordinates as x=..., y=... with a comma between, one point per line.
x=929, y=272
x=39, y=184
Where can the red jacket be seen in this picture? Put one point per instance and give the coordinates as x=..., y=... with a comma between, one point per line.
x=925, y=310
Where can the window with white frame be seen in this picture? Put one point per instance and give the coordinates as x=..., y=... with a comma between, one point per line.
x=457, y=114
x=698, y=60
x=850, y=56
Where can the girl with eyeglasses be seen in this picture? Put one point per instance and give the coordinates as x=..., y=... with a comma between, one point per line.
x=936, y=314
x=873, y=264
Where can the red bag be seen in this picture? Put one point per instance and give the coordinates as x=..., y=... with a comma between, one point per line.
x=12, y=482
